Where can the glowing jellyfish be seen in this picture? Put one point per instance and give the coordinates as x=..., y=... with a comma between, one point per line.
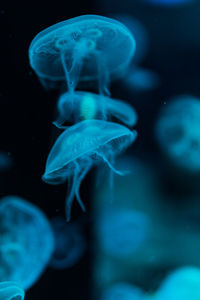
x=85, y=106
x=70, y=244
x=11, y=291
x=5, y=161
x=85, y=48
x=122, y=231
x=26, y=241
x=178, y=131
x=182, y=284
x=79, y=147
x=123, y=291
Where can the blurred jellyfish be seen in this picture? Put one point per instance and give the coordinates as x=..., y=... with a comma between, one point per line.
x=81, y=146
x=182, y=284
x=178, y=131
x=92, y=106
x=123, y=291
x=122, y=231
x=5, y=161
x=70, y=244
x=141, y=80
x=86, y=48
x=26, y=241
x=11, y=291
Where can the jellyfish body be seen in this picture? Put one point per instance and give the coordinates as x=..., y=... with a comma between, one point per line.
x=70, y=244
x=26, y=241
x=181, y=284
x=123, y=291
x=80, y=147
x=121, y=231
x=178, y=132
x=85, y=106
x=11, y=291
x=85, y=48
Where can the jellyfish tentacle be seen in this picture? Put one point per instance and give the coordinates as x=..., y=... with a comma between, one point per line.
x=66, y=71
x=104, y=78
x=110, y=165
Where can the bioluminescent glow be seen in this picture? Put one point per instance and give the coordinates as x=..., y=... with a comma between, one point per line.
x=123, y=291
x=26, y=241
x=11, y=291
x=122, y=231
x=85, y=48
x=181, y=284
x=70, y=244
x=81, y=146
x=85, y=106
x=178, y=131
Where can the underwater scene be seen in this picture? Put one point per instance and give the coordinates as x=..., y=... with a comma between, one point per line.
x=100, y=150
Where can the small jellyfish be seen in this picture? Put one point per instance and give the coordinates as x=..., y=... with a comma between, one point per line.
x=92, y=106
x=123, y=291
x=80, y=147
x=121, y=231
x=26, y=241
x=178, y=132
x=11, y=291
x=70, y=244
x=181, y=284
x=82, y=49
x=5, y=161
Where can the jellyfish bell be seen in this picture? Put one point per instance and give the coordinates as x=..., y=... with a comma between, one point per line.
x=123, y=291
x=26, y=241
x=70, y=244
x=85, y=106
x=85, y=48
x=10, y=290
x=79, y=147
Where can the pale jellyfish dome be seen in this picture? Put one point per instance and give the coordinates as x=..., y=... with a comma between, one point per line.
x=123, y=291
x=26, y=241
x=178, y=131
x=93, y=44
x=10, y=290
x=122, y=231
x=181, y=284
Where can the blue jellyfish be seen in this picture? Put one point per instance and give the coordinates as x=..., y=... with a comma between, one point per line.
x=141, y=80
x=123, y=291
x=5, y=161
x=92, y=106
x=121, y=231
x=181, y=284
x=70, y=244
x=26, y=241
x=11, y=291
x=79, y=147
x=178, y=132
x=86, y=48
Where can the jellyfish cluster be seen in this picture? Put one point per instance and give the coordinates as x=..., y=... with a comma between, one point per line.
x=85, y=51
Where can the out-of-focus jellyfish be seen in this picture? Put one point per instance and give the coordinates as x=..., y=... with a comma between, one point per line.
x=70, y=244
x=123, y=291
x=80, y=147
x=86, y=48
x=11, y=291
x=178, y=132
x=141, y=80
x=182, y=284
x=121, y=231
x=92, y=106
x=5, y=161
x=26, y=241
x=168, y=2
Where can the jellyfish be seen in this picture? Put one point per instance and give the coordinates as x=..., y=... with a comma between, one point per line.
x=80, y=147
x=26, y=241
x=11, y=291
x=123, y=291
x=82, y=49
x=70, y=244
x=181, y=284
x=5, y=161
x=92, y=106
x=121, y=231
x=178, y=132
